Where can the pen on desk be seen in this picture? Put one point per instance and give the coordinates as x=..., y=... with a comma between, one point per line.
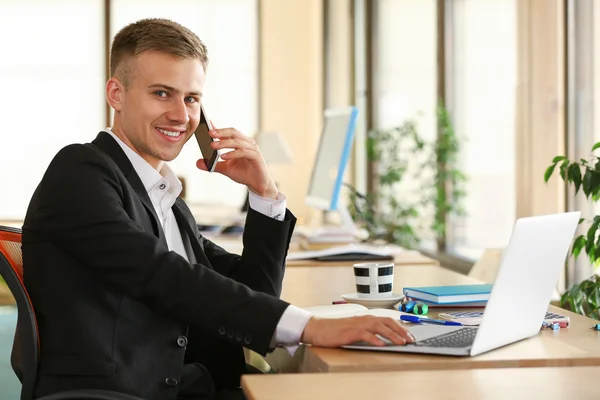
x=339, y=302
x=416, y=320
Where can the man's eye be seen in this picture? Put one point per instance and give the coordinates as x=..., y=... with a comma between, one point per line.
x=190, y=99
x=161, y=93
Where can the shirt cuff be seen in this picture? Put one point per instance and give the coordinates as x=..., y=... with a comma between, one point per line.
x=274, y=208
x=290, y=327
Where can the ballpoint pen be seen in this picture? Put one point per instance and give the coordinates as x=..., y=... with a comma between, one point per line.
x=417, y=320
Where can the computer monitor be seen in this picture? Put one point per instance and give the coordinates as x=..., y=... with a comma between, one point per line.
x=330, y=162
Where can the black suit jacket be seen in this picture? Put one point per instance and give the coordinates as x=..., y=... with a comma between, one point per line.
x=115, y=307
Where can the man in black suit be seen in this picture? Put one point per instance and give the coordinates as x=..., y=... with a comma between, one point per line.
x=128, y=294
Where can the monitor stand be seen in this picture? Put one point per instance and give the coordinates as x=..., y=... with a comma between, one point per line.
x=346, y=232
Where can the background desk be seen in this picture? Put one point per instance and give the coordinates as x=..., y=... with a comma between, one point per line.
x=234, y=244
x=304, y=286
x=411, y=257
x=525, y=383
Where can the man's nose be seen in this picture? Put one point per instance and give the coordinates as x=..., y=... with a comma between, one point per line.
x=178, y=112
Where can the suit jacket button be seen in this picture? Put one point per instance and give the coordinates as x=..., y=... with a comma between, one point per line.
x=182, y=341
x=247, y=339
x=230, y=334
x=239, y=336
x=222, y=330
x=172, y=382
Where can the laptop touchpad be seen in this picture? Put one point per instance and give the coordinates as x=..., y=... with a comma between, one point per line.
x=426, y=331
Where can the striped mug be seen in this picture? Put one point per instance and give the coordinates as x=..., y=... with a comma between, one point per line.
x=374, y=279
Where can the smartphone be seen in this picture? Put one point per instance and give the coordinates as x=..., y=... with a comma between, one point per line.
x=204, y=140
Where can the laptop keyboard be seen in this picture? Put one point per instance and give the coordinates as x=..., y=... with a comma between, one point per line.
x=463, y=337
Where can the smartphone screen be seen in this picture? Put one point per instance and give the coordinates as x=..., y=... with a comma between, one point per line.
x=209, y=154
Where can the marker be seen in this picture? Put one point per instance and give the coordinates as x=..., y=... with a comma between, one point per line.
x=417, y=320
x=339, y=302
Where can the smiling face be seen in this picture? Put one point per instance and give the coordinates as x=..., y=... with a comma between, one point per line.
x=159, y=110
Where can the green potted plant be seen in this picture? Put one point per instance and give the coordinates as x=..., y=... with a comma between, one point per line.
x=584, y=175
x=390, y=153
x=398, y=155
x=448, y=190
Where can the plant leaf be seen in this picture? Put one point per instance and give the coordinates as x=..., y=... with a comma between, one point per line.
x=595, y=183
x=596, y=254
x=549, y=172
x=574, y=175
x=596, y=146
x=587, y=182
x=578, y=245
x=563, y=170
x=590, y=241
x=558, y=158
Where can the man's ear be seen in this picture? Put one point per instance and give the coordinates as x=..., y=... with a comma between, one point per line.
x=115, y=93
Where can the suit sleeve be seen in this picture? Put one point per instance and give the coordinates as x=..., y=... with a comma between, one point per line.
x=80, y=207
x=262, y=263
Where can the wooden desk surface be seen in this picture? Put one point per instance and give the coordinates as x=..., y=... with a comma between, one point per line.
x=411, y=257
x=234, y=244
x=308, y=286
x=484, y=384
x=577, y=345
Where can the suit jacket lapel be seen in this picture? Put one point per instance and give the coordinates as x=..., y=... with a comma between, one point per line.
x=105, y=142
x=193, y=248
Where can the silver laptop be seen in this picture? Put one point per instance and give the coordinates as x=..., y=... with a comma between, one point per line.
x=520, y=296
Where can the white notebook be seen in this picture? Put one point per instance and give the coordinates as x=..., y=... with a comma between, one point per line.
x=351, y=310
x=353, y=251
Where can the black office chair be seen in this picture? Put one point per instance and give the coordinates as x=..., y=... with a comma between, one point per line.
x=25, y=353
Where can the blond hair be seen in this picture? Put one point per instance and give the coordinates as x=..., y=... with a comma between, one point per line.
x=153, y=34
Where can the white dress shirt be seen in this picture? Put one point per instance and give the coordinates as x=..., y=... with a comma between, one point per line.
x=163, y=189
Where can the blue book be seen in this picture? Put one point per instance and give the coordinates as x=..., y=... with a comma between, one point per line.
x=450, y=294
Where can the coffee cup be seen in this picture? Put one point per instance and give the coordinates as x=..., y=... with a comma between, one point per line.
x=374, y=279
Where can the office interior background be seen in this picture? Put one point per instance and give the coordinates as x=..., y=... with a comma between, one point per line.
x=518, y=77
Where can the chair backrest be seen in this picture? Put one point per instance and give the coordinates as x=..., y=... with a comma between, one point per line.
x=25, y=352
x=486, y=267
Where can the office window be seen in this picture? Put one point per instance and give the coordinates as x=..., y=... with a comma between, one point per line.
x=405, y=75
x=481, y=77
x=52, y=74
x=583, y=108
x=229, y=28
x=404, y=78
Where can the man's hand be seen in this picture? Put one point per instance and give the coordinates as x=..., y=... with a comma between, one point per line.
x=343, y=331
x=244, y=164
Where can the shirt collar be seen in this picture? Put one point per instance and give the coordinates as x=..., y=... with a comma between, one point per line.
x=149, y=176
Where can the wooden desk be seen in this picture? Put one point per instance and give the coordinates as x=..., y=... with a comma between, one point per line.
x=577, y=345
x=308, y=286
x=234, y=244
x=517, y=383
x=411, y=257
x=304, y=286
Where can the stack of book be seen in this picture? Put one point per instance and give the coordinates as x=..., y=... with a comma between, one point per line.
x=456, y=296
x=348, y=252
x=323, y=238
x=307, y=243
